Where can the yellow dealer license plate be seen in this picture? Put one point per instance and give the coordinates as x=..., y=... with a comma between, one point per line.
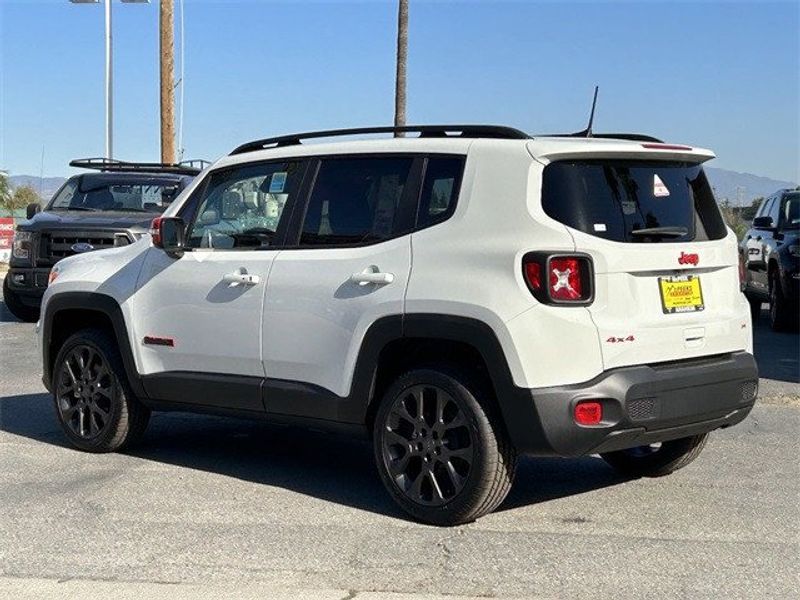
x=681, y=294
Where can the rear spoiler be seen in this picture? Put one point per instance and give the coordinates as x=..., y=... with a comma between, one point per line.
x=547, y=149
x=188, y=167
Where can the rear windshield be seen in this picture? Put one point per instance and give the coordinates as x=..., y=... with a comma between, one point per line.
x=633, y=200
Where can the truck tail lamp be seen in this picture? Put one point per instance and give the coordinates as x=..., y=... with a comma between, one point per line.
x=559, y=278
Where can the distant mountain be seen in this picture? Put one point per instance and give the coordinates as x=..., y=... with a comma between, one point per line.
x=727, y=184
x=46, y=187
x=742, y=187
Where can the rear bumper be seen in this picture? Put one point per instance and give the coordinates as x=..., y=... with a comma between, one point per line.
x=641, y=405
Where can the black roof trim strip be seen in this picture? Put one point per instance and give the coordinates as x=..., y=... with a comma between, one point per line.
x=425, y=131
x=189, y=167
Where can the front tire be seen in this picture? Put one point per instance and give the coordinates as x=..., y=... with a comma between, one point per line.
x=782, y=316
x=656, y=460
x=755, y=307
x=440, y=449
x=94, y=403
x=29, y=314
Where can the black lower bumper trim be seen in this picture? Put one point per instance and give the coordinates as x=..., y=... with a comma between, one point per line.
x=641, y=405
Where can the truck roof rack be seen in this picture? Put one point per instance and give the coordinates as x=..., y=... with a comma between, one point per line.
x=425, y=131
x=189, y=167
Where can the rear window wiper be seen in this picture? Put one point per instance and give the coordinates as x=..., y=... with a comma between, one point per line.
x=660, y=232
x=86, y=208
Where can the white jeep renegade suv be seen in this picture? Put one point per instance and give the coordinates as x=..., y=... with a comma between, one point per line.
x=463, y=296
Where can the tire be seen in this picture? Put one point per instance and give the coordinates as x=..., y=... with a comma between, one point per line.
x=755, y=307
x=450, y=462
x=782, y=316
x=656, y=461
x=25, y=313
x=88, y=377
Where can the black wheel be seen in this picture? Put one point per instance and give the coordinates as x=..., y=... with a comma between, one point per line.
x=782, y=316
x=29, y=314
x=755, y=307
x=656, y=460
x=440, y=449
x=93, y=401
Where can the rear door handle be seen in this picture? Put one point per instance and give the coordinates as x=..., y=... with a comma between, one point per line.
x=242, y=277
x=372, y=275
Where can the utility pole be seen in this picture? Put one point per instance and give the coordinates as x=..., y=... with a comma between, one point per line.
x=167, y=50
x=402, y=61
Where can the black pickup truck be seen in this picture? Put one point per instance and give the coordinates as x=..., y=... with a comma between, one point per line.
x=112, y=206
x=770, y=259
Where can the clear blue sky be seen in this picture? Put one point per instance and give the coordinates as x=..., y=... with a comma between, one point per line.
x=724, y=75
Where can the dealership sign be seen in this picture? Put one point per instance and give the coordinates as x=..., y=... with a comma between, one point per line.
x=6, y=237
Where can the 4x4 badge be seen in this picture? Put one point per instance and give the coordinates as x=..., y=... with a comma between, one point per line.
x=688, y=259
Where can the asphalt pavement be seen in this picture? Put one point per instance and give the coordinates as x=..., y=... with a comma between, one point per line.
x=207, y=507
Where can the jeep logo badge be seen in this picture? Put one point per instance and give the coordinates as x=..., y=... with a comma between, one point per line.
x=81, y=247
x=688, y=259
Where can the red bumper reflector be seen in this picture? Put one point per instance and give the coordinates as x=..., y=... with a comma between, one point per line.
x=588, y=413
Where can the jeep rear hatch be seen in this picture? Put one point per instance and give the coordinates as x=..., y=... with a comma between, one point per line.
x=666, y=279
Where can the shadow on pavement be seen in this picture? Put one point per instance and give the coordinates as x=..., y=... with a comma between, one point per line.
x=777, y=354
x=5, y=314
x=332, y=468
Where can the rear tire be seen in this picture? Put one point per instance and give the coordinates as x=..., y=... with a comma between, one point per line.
x=652, y=461
x=94, y=403
x=440, y=449
x=25, y=313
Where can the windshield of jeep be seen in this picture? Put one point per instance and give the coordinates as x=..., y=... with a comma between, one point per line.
x=634, y=201
x=122, y=196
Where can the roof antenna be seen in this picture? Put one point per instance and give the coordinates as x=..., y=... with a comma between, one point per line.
x=588, y=131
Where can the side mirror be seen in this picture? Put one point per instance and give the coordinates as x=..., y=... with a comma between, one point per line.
x=32, y=209
x=763, y=223
x=169, y=234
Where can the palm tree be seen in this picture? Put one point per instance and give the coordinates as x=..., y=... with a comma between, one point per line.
x=402, y=59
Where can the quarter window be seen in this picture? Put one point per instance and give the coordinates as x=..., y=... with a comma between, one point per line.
x=439, y=189
x=242, y=207
x=355, y=200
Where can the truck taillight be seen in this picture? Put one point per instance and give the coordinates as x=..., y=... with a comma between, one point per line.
x=155, y=232
x=559, y=278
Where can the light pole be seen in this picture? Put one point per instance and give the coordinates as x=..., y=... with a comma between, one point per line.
x=109, y=71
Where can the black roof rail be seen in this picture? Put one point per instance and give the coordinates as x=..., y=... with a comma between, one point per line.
x=190, y=167
x=425, y=131
x=636, y=137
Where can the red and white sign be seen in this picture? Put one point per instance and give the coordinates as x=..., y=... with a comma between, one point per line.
x=6, y=232
x=6, y=237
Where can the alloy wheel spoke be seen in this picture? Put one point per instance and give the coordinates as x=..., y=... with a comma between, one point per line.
x=456, y=479
x=398, y=465
x=437, y=491
x=70, y=372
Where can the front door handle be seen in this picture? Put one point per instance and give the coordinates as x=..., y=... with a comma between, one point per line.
x=372, y=275
x=242, y=277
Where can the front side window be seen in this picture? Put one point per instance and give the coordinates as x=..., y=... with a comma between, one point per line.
x=790, y=212
x=633, y=200
x=241, y=208
x=355, y=200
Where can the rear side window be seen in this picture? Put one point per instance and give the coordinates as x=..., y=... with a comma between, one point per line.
x=439, y=189
x=633, y=201
x=355, y=200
